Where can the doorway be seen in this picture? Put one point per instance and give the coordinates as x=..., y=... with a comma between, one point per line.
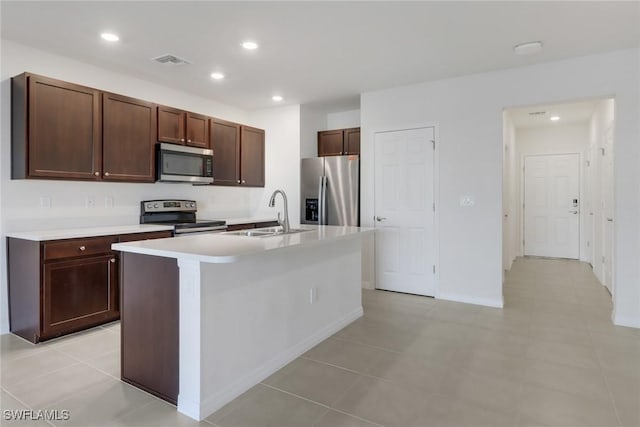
x=558, y=180
x=405, y=210
x=551, y=205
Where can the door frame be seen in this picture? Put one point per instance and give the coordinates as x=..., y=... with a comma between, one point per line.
x=436, y=195
x=580, y=204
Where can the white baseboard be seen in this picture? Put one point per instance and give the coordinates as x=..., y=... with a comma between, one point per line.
x=222, y=397
x=467, y=299
x=630, y=321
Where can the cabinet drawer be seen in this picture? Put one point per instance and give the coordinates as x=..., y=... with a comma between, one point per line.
x=78, y=247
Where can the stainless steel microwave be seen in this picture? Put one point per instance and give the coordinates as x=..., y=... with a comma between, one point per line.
x=177, y=163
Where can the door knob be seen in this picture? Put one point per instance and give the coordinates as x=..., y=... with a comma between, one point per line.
x=380, y=218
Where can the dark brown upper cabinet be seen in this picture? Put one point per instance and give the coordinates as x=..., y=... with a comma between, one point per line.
x=238, y=154
x=56, y=129
x=352, y=141
x=251, y=157
x=182, y=127
x=339, y=142
x=225, y=142
x=129, y=136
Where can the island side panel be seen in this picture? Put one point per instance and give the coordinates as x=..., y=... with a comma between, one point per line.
x=24, y=288
x=149, y=298
x=262, y=312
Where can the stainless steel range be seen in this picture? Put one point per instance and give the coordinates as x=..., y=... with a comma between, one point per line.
x=179, y=213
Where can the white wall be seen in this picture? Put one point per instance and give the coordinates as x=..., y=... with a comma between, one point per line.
x=468, y=114
x=343, y=119
x=20, y=199
x=510, y=194
x=282, y=160
x=601, y=120
x=312, y=119
x=560, y=139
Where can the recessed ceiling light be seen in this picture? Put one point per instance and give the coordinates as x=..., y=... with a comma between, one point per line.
x=217, y=76
x=249, y=45
x=554, y=118
x=277, y=98
x=529, y=48
x=110, y=37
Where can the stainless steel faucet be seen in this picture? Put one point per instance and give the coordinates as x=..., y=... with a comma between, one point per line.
x=272, y=202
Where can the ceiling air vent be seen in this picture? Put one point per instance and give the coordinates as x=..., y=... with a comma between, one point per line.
x=537, y=113
x=170, y=59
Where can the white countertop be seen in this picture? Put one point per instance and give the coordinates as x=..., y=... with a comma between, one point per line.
x=72, y=233
x=225, y=248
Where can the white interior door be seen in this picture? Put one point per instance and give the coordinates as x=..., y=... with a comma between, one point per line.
x=551, y=209
x=607, y=210
x=404, y=196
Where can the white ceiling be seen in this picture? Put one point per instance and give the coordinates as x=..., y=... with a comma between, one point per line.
x=569, y=113
x=314, y=52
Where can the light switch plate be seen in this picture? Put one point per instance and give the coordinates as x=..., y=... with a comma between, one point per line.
x=45, y=202
x=467, y=201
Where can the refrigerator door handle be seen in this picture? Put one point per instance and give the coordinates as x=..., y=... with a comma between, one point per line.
x=320, y=199
x=322, y=202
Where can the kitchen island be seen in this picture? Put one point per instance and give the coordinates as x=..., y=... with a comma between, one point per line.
x=206, y=317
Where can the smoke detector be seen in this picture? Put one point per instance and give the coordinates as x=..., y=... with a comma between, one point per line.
x=170, y=59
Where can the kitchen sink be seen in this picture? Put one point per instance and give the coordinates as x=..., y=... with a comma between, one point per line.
x=265, y=232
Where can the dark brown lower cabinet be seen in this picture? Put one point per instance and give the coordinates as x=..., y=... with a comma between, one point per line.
x=64, y=286
x=79, y=293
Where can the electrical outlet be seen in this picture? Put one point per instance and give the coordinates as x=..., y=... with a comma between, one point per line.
x=90, y=202
x=45, y=202
x=108, y=202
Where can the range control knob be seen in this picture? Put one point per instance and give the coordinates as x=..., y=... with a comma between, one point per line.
x=155, y=205
x=149, y=205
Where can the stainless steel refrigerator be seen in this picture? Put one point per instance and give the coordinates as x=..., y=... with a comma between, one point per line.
x=330, y=190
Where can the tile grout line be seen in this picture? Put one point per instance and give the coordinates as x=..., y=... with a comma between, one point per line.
x=24, y=404
x=322, y=404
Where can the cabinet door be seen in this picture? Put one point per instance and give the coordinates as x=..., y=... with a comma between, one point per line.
x=225, y=142
x=251, y=156
x=64, y=130
x=330, y=143
x=352, y=141
x=79, y=293
x=129, y=136
x=197, y=130
x=171, y=124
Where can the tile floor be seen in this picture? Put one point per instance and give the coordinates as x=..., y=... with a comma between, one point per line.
x=551, y=357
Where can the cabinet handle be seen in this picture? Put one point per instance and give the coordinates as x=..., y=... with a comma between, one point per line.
x=238, y=181
x=113, y=260
x=188, y=140
x=181, y=139
x=106, y=174
x=341, y=153
x=82, y=248
x=243, y=181
x=96, y=173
